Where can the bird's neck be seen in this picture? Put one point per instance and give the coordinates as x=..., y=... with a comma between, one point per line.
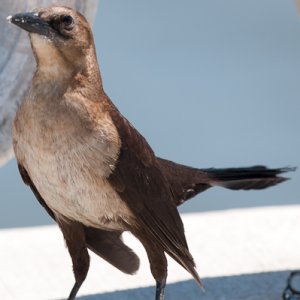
x=55, y=69
x=56, y=73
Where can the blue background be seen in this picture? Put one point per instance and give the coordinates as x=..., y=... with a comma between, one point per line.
x=209, y=83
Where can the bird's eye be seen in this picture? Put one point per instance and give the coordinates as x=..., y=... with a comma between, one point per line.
x=67, y=21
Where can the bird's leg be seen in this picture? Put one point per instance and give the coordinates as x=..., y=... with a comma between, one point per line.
x=74, y=290
x=160, y=290
x=74, y=235
x=158, y=265
x=80, y=268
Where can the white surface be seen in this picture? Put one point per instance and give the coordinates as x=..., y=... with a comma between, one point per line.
x=240, y=254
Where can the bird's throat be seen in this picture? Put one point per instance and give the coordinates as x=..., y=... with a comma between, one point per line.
x=50, y=61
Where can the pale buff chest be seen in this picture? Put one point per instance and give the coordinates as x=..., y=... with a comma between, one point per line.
x=69, y=164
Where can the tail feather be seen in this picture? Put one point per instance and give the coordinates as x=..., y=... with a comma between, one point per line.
x=258, y=177
x=186, y=182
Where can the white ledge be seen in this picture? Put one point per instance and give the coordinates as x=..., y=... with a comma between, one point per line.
x=240, y=254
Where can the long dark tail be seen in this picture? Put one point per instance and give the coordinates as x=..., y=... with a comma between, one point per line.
x=253, y=178
x=186, y=182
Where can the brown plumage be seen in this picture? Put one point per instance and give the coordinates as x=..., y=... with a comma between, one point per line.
x=91, y=169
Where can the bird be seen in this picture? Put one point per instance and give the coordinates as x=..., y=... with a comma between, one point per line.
x=92, y=171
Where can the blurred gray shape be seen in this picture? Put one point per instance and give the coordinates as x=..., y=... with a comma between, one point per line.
x=298, y=5
x=17, y=62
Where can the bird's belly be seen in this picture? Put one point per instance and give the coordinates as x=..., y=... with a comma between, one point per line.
x=74, y=190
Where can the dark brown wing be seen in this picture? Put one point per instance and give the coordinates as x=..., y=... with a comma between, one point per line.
x=142, y=185
x=109, y=246
x=106, y=244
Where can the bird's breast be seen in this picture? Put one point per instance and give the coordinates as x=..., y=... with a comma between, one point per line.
x=70, y=165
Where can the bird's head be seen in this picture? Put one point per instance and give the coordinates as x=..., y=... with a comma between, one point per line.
x=61, y=38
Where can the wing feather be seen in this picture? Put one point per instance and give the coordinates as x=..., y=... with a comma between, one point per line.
x=141, y=183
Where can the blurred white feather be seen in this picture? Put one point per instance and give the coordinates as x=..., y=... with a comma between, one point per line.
x=17, y=62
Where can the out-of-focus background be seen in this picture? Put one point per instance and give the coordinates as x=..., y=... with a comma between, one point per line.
x=209, y=83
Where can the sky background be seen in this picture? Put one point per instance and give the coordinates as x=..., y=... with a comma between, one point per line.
x=209, y=83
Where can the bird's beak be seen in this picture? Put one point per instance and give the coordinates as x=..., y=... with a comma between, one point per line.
x=31, y=22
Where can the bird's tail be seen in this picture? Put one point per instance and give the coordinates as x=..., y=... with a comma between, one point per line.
x=258, y=177
x=186, y=182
